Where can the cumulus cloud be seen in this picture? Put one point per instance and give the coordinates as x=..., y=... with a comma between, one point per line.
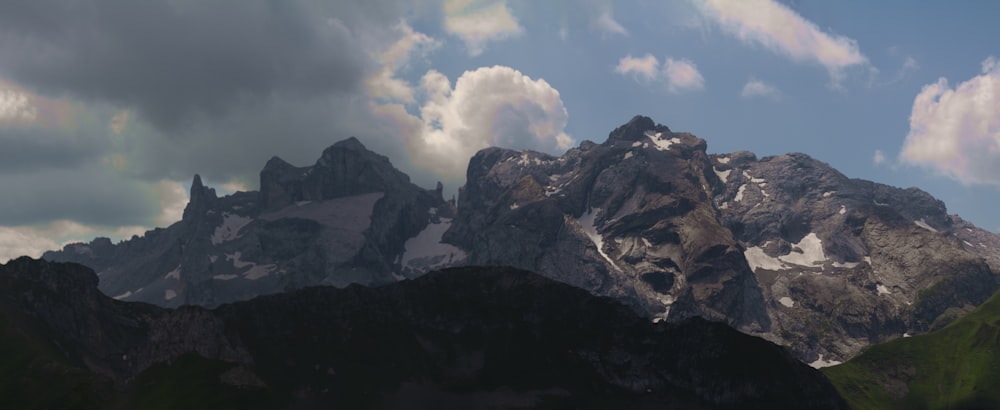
x=956, y=131
x=774, y=26
x=678, y=74
x=755, y=88
x=489, y=106
x=478, y=22
x=605, y=22
x=384, y=83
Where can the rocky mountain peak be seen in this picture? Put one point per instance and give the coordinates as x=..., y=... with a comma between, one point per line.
x=201, y=198
x=344, y=169
x=351, y=144
x=636, y=129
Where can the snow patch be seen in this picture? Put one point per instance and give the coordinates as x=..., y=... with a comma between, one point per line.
x=847, y=265
x=739, y=193
x=256, y=271
x=723, y=175
x=756, y=258
x=426, y=252
x=230, y=228
x=807, y=253
x=587, y=223
x=174, y=274
x=921, y=223
x=907, y=335
x=723, y=160
x=868, y=260
x=514, y=206
x=636, y=144
x=169, y=294
x=969, y=244
x=882, y=290
x=628, y=155
x=843, y=210
x=811, y=248
x=662, y=144
x=828, y=193
x=787, y=301
x=746, y=174
x=123, y=295
x=213, y=258
x=259, y=271
x=820, y=363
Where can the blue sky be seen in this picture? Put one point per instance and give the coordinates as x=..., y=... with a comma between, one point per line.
x=109, y=107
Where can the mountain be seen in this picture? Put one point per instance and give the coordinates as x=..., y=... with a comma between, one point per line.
x=346, y=219
x=950, y=368
x=783, y=247
x=460, y=338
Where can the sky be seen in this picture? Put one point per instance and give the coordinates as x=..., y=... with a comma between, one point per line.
x=109, y=107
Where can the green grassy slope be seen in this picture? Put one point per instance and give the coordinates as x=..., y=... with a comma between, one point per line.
x=956, y=367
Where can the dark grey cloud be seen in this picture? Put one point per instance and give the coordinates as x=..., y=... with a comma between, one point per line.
x=24, y=149
x=211, y=87
x=171, y=58
x=238, y=144
x=90, y=194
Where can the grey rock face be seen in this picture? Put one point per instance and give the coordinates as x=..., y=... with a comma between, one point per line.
x=630, y=218
x=844, y=263
x=345, y=219
x=782, y=247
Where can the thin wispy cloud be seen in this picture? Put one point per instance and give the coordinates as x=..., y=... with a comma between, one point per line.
x=679, y=75
x=755, y=88
x=778, y=28
x=606, y=23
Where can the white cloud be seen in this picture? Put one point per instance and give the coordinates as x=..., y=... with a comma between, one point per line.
x=606, y=23
x=879, y=158
x=33, y=240
x=645, y=67
x=956, y=131
x=15, y=105
x=678, y=74
x=778, y=28
x=173, y=198
x=756, y=88
x=384, y=83
x=682, y=75
x=490, y=106
x=477, y=23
